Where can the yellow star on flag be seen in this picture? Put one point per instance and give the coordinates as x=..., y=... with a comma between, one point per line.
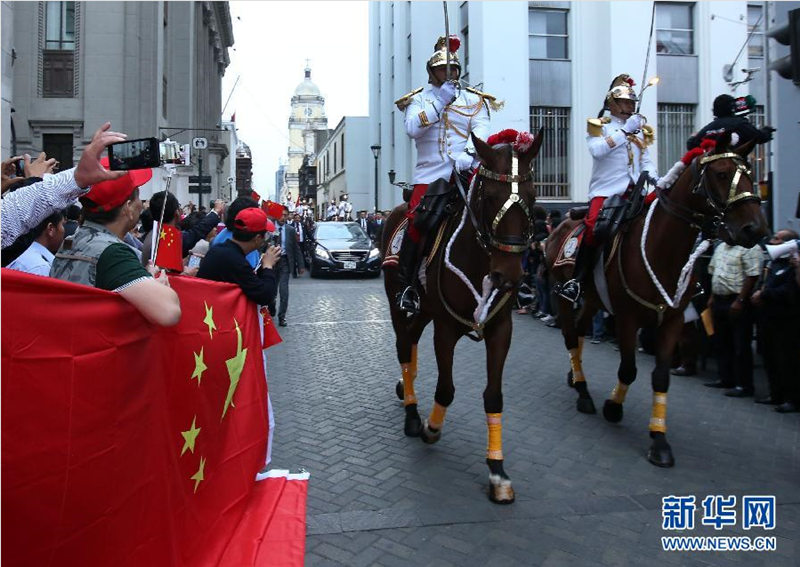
x=199, y=366
x=198, y=476
x=209, y=320
x=235, y=366
x=190, y=436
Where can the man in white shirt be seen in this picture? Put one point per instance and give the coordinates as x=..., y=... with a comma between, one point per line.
x=38, y=257
x=439, y=117
x=332, y=211
x=619, y=147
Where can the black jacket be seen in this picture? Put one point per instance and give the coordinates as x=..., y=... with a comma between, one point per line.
x=780, y=293
x=739, y=124
x=226, y=262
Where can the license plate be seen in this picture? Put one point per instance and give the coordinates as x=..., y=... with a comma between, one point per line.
x=349, y=265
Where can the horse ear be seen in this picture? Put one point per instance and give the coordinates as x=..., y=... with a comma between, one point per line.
x=533, y=151
x=745, y=149
x=484, y=150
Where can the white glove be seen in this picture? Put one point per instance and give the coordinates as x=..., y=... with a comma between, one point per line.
x=446, y=93
x=633, y=123
x=463, y=161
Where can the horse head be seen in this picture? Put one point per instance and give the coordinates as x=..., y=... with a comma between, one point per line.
x=725, y=183
x=502, y=199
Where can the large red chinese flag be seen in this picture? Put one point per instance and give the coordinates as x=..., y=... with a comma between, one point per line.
x=170, y=248
x=129, y=444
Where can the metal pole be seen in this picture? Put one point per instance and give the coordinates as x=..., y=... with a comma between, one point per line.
x=376, y=183
x=200, y=180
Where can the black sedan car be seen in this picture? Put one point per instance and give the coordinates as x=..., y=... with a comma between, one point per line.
x=343, y=248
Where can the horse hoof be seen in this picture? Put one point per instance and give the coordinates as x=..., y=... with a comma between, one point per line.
x=413, y=424
x=399, y=390
x=660, y=454
x=570, y=382
x=429, y=435
x=500, y=490
x=586, y=405
x=612, y=411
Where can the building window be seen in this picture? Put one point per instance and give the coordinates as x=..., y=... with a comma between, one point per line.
x=60, y=26
x=58, y=55
x=675, y=126
x=759, y=159
x=341, y=150
x=674, y=28
x=755, y=26
x=551, y=168
x=58, y=146
x=547, y=34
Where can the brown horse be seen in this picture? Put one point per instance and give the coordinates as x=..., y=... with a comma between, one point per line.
x=476, y=262
x=647, y=270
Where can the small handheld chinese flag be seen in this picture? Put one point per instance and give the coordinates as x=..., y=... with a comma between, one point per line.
x=273, y=210
x=255, y=196
x=271, y=335
x=170, y=248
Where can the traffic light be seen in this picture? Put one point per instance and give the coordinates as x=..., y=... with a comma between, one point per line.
x=788, y=67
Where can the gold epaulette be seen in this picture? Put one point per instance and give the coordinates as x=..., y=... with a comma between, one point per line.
x=403, y=102
x=492, y=101
x=649, y=134
x=594, y=126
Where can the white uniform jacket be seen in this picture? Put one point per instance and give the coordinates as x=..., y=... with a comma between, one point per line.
x=441, y=135
x=618, y=160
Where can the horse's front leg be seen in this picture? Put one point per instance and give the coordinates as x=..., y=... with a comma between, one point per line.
x=626, y=374
x=445, y=338
x=574, y=333
x=660, y=453
x=497, y=345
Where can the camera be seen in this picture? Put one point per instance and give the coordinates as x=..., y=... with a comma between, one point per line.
x=143, y=153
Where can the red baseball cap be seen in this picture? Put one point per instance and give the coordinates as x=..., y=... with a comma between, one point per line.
x=252, y=219
x=108, y=195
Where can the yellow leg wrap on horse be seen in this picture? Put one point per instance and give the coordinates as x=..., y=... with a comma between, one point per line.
x=410, y=397
x=576, y=365
x=494, y=423
x=658, y=421
x=619, y=392
x=413, y=364
x=436, y=419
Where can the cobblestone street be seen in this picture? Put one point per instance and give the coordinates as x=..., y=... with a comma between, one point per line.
x=586, y=495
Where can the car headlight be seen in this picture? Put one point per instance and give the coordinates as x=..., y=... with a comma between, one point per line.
x=320, y=252
x=374, y=253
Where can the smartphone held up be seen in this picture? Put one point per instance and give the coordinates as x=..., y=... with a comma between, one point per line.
x=145, y=153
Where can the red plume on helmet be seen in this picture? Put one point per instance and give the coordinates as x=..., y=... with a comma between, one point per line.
x=453, y=43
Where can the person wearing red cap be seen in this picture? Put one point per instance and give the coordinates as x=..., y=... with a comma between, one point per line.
x=227, y=262
x=99, y=257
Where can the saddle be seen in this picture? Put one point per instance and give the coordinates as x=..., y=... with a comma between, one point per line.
x=438, y=203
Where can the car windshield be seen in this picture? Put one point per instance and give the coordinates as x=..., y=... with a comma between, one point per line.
x=339, y=231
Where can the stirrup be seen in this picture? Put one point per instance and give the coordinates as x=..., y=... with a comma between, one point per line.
x=408, y=300
x=571, y=290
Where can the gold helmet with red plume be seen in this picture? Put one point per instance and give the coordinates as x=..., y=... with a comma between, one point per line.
x=621, y=88
x=445, y=47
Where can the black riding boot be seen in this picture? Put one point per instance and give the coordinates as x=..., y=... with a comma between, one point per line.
x=408, y=299
x=571, y=290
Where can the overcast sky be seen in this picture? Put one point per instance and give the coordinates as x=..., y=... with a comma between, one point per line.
x=272, y=40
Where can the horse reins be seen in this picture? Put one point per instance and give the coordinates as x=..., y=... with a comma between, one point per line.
x=691, y=217
x=514, y=179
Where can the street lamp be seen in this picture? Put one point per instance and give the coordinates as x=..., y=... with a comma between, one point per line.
x=392, y=176
x=376, y=151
